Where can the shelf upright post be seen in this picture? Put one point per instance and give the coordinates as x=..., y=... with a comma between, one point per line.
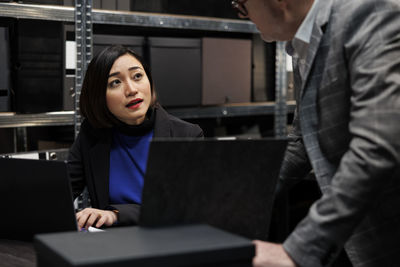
x=83, y=37
x=280, y=121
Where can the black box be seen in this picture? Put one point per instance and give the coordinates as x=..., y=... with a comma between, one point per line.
x=101, y=41
x=207, y=8
x=4, y=70
x=176, y=68
x=69, y=67
x=38, y=66
x=194, y=245
x=45, y=2
x=124, y=5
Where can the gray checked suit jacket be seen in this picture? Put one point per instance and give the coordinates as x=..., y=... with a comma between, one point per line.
x=353, y=66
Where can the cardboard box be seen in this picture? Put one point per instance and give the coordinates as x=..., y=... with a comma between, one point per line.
x=226, y=71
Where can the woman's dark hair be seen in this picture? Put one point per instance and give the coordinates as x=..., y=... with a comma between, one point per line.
x=92, y=102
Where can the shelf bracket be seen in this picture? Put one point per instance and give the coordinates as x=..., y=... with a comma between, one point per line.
x=83, y=37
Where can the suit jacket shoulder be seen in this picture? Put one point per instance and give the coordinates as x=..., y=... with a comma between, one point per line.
x=167, y=125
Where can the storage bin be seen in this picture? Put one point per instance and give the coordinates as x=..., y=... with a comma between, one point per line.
x=4, y=70
x=226, y=71
x=101, y=41
x=176, y=70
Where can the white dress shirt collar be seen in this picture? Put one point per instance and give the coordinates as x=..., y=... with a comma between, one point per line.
x=302, y=37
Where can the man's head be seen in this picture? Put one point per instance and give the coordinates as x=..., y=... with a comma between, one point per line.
x=277, y=20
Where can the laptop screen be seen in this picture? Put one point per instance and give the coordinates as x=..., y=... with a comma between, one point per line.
x=36, y=197
x=228, y=184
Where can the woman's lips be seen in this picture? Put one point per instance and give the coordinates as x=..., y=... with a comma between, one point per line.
x=134, y=103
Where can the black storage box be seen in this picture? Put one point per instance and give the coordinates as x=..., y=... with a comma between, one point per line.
x=191, y=245
x=69, y=67
x=207, y=8
x=4, y=70
x=101, y=41
x=39, y=66
x=176, y=68
x=124, y=5
x=44, y=2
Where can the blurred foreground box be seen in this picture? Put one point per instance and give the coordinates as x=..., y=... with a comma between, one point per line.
x=191, y=245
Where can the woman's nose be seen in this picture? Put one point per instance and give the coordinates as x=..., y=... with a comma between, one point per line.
x=130, y=88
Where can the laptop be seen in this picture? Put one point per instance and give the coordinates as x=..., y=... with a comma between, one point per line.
x=228, y=184
x=36, y=198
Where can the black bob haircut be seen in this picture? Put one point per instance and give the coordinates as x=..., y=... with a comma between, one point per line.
x=92, y=102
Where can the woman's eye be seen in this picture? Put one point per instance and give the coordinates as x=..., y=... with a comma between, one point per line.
x=114, y=83
x=137, y=76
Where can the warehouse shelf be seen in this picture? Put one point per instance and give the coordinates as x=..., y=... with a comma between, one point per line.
x=140, y=19
x=231, y=110
x=11, y=120
x=152, y=21
x=41, y=12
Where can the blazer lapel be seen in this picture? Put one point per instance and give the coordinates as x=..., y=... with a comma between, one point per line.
x=324, y=10
x=100, y=163
x=162, y=127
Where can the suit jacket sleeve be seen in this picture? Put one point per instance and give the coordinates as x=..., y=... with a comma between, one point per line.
x=75, y=167
x=371, y=41
x=128, y=214
x=295, y=164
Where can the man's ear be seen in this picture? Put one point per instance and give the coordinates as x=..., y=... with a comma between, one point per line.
x=281, y=4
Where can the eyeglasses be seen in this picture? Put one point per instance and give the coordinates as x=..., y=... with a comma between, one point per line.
x=238, y=5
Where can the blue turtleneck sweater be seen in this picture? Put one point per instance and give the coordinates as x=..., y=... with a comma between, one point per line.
x=128, y=160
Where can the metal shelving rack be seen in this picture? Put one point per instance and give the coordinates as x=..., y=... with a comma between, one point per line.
x=152, y=20
x=84, y=44
x=140, y=19
x=231, y=110
x=11, y=120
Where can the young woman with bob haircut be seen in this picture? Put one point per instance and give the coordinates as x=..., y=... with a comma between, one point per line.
x=109, y=155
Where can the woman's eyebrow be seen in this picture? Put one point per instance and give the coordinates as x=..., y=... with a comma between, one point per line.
x=131, y=68
x=135, y=68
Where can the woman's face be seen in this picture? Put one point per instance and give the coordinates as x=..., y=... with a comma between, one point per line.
x=128, y=93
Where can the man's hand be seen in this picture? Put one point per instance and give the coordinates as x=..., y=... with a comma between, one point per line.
x=271, y=255
x=89, y=217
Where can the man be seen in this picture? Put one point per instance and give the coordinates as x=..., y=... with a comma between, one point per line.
x=346, y=56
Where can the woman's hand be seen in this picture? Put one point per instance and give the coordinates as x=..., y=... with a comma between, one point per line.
x=95, y=217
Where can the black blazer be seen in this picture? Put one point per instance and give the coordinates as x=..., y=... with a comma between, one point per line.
x=89, y=160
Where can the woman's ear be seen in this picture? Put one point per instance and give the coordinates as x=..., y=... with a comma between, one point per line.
x=153, y=97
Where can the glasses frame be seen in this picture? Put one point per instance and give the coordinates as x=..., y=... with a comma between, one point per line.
x=238, y=5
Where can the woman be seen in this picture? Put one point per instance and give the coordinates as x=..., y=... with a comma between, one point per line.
x=109, y=155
